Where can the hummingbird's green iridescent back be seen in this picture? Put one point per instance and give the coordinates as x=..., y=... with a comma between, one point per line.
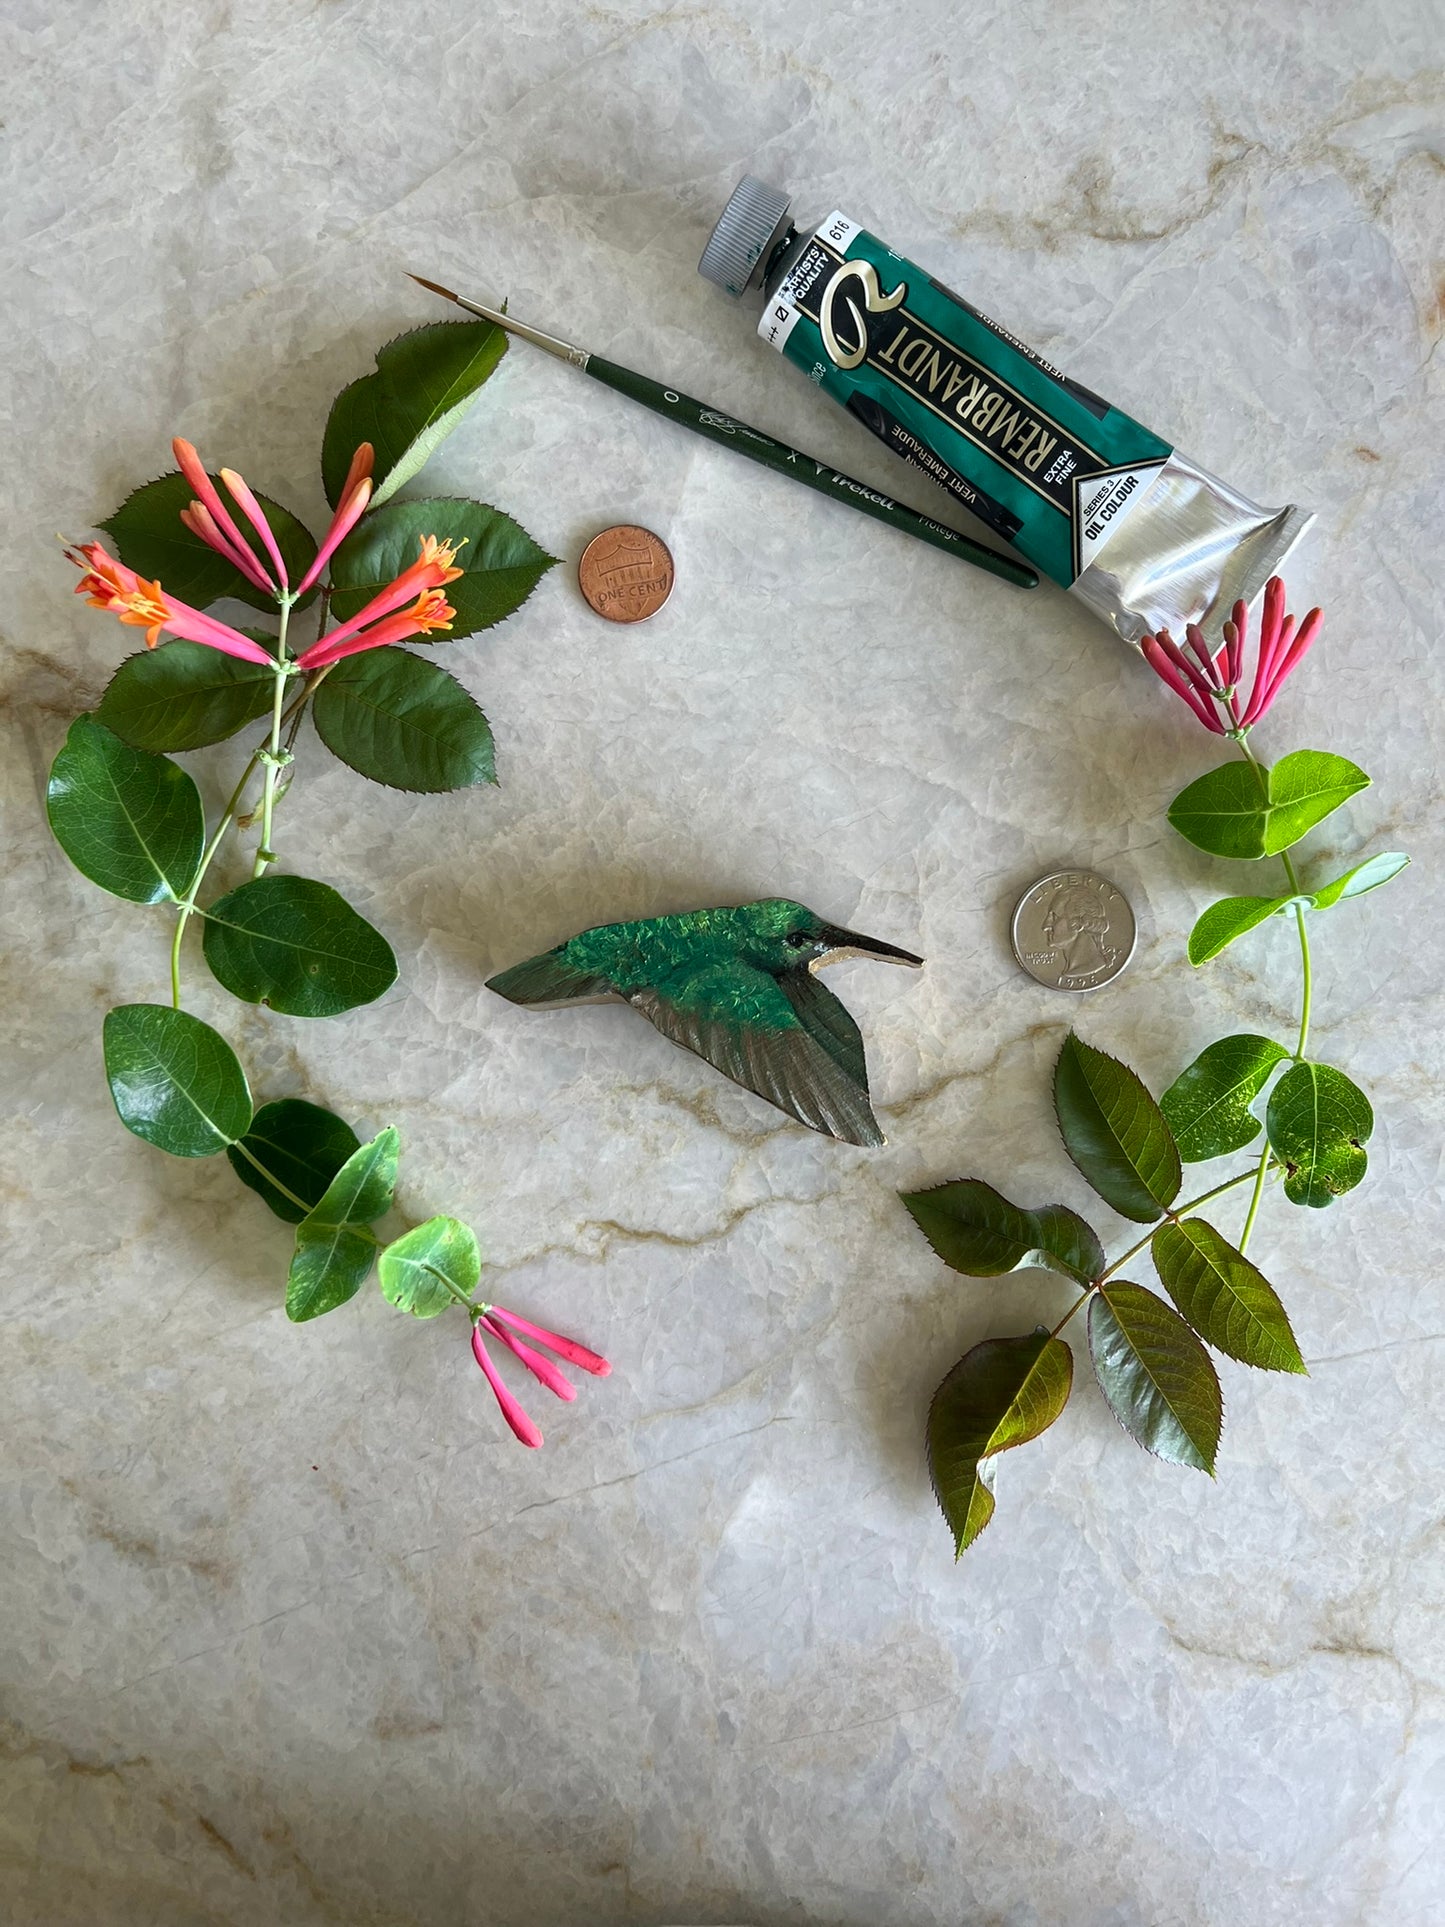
x=735, y=986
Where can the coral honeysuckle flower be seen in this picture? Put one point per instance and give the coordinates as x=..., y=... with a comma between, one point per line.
x=503, y=1326
x=209, y=518
x=424, y=580
x=109, y=584
x=351, y=505
x=1210, y=682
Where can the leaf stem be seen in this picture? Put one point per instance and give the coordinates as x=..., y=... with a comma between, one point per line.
x=1205, y=1197
x=274, y=757
x=1255, y=1197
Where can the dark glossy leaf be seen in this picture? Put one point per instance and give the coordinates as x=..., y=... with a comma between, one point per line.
x=977, y=1231
x=1115, y=1132
x=1228, y=813
x=1228, y=919
x=176, y=1082
x=297, y=946
x=129, y=821
x=1208, y=1105
x=500, y=563
x=424, y=383
x=415, y=1268
x=184, y=696
x=1001, y=1394
x=1365, y=876
x=299, y=1143
x=335, y=1247
x=1155, y=1375
x=1227, y=1300
x=150, y=538
x=1318, y=1124
x=403, y=721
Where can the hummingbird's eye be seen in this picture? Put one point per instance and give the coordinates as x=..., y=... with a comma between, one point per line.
x=797, y=940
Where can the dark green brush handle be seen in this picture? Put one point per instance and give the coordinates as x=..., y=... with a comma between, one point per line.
x=727, y=432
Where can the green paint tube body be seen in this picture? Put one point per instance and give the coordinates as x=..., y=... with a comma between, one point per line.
x=1139, y=532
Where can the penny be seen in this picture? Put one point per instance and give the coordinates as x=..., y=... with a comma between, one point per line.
x=626, y=573
x=1073, y=930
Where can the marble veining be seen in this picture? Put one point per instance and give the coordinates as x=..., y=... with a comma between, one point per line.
x=295, y=1632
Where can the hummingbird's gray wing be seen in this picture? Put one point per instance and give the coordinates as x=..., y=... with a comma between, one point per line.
x=550, y=980
x=768, y=1049
x=825, y=1018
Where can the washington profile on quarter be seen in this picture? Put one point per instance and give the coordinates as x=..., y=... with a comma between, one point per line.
x=1073, y=930
x=626, y=573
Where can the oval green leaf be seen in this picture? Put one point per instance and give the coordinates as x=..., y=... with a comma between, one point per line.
x=296, y=946
x=150, y=537
x=1224, y=811
x=301, y=1144
x=184, y=696
x=1115, y=1132
x=499, y=561
x=404, y=722
x=1156, y=1375
x=1305, y=788
x=424, y=383
x=1228, y=919
x=130, y=821
x=335, y=1248
x=1365, y=876
x=1242, y=810
x=1001, y=1394
x=1228, y=1301
x=1318, y=1124
x=1207, y=1107
x=977, y=1231
x=417, y=1268
x=176, y=1082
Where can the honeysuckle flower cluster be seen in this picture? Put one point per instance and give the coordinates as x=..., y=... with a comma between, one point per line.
x=107, y=583
x=503, y=1326
x=1210, y=681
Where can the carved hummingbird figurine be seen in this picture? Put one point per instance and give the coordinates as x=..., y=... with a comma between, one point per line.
x=737, y=987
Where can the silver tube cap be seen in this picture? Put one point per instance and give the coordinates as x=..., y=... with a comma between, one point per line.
x=738, y=248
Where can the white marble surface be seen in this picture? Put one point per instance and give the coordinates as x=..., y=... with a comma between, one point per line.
x=294, y=1632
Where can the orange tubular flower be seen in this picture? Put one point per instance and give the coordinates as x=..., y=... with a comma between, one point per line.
x=108, y=584
x=424, y=580
x=351, y=505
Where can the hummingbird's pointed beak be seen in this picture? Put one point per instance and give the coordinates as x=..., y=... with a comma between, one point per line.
x=843, y=942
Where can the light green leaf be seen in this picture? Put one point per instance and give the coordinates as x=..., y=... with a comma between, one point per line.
x=1318, y=1124
x=1305, y=788
x=150, y=538
x=1228, y=813
x=424, y=383
x=1368, y=875
x=1115, y=1132
x=402, y=721
x=184, y=696
x=335, y=1249
x=1001, y=1394
x=301, y=1144
x=1227, y=1300
x=1208, y=1105
x=129, y=821
x=175, y=1081
x=297, y=946
x=415, y=1270
x=977, y=1231
x=500, y=563
x=1231, y=917
x=1155, y=1375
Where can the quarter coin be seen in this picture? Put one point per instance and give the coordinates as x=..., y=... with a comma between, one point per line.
x=626, y=573
x=1073, y=930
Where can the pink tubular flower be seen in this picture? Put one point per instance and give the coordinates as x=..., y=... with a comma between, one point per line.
x=209, y=518
x=1210, y=683
x=351, y=505
x=496, y=1323
x=109, y=584
x=367, y=629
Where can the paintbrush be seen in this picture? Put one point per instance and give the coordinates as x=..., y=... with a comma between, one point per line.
x=714, y=425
